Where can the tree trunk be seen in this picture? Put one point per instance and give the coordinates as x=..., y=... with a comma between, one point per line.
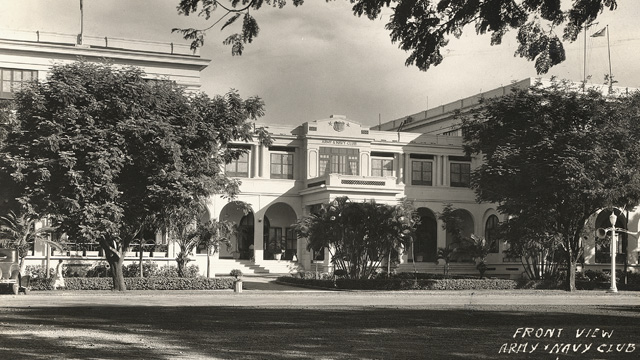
x=180, y=261
x=141, y=273
x=208, y=264
x=571, y=274
x=115, y=262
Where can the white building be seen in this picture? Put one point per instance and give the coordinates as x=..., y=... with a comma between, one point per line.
x=307, y=165
x=442, y=120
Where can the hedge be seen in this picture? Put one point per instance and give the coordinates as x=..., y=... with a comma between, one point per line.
x=152, y=283
x=406, y=284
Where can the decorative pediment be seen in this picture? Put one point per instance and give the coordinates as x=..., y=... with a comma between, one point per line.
x=335, y=125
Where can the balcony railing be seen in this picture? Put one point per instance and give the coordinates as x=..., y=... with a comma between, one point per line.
x=352, y=181
x=96, y=41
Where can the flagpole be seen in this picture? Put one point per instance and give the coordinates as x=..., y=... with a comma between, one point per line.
x=584, y=76
x=609, y=51
x=81, y=24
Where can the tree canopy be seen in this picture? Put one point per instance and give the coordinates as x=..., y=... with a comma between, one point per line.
x=423, y=27
x=359, y=236
x=107, y=152
x=553, y=155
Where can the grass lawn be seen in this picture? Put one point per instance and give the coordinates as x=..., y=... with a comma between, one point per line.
x=312, y=332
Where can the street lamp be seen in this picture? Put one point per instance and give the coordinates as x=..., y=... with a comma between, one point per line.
x=602, y=233
x=612, y=219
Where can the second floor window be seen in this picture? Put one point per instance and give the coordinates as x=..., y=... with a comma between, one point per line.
x=460, y=174
x=338, y=161
x=382, y=167
x=239, y=167
x=421, y=172
x=282, y=166
x=12, y=80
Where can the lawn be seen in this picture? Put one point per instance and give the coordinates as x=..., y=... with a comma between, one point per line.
x=313, y=332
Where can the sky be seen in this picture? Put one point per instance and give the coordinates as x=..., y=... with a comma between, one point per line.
x=319, y=59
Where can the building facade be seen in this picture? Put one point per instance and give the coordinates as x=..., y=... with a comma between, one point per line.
x=314, y=163
x=443, y=120
x=418, y=157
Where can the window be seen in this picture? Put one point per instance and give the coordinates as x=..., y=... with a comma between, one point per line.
x=291, y=239
x=12, y=80
x=382, y=167
x=275, y=240
x=338, y=161
x=460, y=174
x=238, y=167
x=491, y=233
x=421, y=172
x=281, y=166
x=456, y=132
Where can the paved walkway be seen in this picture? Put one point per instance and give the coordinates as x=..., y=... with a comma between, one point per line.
x=263, y=291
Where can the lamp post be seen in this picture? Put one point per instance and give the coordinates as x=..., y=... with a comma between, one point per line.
x=613, y=218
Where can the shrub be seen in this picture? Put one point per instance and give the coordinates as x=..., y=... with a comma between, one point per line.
x=309, y=275
x=99, y=269
x=149, y=269
x=401, y=283
x=171, y=271
x=38, y=271
x=322, y=283
x=236, y=273
x=153, y=283
x=547, y=284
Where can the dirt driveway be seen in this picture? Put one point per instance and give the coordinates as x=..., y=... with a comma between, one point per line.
x=288, y=324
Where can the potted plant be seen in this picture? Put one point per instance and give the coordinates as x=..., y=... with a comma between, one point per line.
x=278, y=251
x=237, y=284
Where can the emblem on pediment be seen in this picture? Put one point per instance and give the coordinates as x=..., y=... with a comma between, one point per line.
x=339, y=125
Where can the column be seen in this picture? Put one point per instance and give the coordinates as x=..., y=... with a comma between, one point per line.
x=404, y=255
x=304, y=255
x=398, y=165
x=444, y=181
x=254, y=161
x=407, y=168
x=327, y=266
x=258, y=236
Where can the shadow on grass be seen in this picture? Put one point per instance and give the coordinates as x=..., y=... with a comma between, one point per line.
x=140, y=332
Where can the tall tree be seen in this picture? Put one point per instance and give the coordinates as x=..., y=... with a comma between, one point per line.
x=106, y=152
x=423, y=27
x=553, y=155
x=359, y=236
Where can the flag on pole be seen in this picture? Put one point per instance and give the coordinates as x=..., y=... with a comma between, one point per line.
x=600, y=32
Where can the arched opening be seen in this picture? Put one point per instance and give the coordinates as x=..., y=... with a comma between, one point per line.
x=466, y=229
x=279, y=235
x=240, y=214
x=603, y=246
x=426, y=242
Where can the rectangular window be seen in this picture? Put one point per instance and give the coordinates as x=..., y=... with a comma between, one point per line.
x=339, y=161
x=292, y=241
x=460, y=174
x=381, y=167
x=275, y=240
x=421, y=172
x=12, y=80
x=239, y=167
x=282, y=166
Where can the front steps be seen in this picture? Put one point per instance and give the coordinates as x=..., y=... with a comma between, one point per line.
x=223, y=267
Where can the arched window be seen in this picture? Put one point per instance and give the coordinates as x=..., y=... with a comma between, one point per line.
x=491, y=233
